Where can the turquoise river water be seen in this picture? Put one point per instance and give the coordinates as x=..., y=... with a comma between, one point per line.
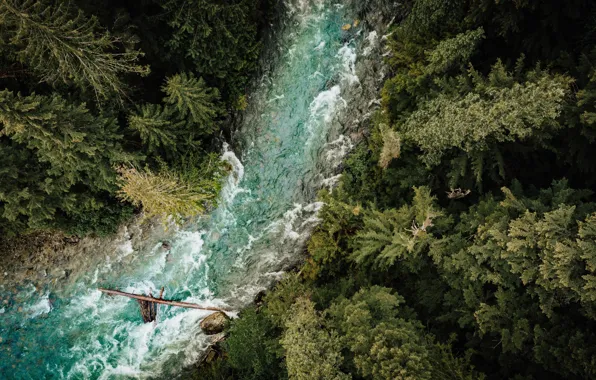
x=289, y=146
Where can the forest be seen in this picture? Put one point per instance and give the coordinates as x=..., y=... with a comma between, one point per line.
x=461, y=240
x=100, y=100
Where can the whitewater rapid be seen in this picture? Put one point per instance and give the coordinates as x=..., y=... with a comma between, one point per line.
x=299, y=126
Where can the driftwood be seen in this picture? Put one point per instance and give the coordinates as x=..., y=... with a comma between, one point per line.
x=148, y=310
x=161, y=301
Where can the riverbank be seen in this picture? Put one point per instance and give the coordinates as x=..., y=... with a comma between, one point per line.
x=53, y=262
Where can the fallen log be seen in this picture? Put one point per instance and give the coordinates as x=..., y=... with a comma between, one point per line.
x=161, y=301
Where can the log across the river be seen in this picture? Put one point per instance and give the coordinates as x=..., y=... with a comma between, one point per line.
x=161, y=301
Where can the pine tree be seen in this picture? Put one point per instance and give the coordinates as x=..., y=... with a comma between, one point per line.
x=169, y=193
x=498, y=109
x=312, y=352
x=280, y=301
x=251, y=347
x=158, y=129
x=67, y=148
x=385, y=345
x=193, y=100
x=586, y=98
x=537, y=259
x=62, y=45
x=397, y=235
x=454, y=52
x=220, y=38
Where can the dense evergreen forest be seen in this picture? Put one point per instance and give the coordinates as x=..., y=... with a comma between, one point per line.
x=106, y=106
x=461, y=241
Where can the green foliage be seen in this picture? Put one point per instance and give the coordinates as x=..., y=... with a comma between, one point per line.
x=586, y=98
x=61, y=134
x=175, y=129
x=219, y=38
x=385, y=345
x=283, y=296
x=429, y=18
x=397, y=234
x=61, y=44
x=498, y=109
x=252, y=347
x=391, y=145
x=532, y=253
x=84, y=109
x=71, y=149
x=193, y=100
x=165, y=193
x=340, y=221
x=454, y=52
x=312, y=352
x=156, y=128
x=445, y=365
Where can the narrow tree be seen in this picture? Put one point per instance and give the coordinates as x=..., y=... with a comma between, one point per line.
x=157, y=127
x=312, y=352
x=171, y=193
x=194, y=100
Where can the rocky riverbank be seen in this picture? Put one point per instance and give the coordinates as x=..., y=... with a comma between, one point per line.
x=49, y=261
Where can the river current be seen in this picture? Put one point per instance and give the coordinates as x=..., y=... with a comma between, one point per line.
x=302, y=119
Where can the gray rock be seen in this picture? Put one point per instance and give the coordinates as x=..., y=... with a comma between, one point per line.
x=214, y=323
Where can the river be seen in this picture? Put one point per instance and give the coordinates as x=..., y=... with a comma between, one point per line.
x=308, y=109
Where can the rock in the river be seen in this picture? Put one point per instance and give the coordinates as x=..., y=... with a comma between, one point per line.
x=215, y=323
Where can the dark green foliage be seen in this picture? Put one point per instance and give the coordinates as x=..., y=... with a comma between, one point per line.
x=280, y=301
x=193, y=99
x=220, y=38
x=452, y=248
x=384, y=344
x=61, y=44
x=156, y=128
x=252, y=347
x=74, y=109
x=70, y=154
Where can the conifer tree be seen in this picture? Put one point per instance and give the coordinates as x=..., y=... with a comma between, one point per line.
x=166, y=192
x=384, y=343
x=312, y=352
x=69, y=147
x=454, y=52
x=220, y=38
x=497, y=109
x=399, y=234
x=538, y=260
x=66, y=136
x=158, y=128
x=193, y=100
x=62, y=45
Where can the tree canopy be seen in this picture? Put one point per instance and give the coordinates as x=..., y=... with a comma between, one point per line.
x=460, y=240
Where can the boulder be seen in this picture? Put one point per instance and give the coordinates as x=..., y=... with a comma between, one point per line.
x=214, y=323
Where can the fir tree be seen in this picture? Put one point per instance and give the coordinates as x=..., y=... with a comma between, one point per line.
x=70, y=148
x=157, y=128
x=384, y=343
x=397, y=234
x=193, y=100
x=166, y=192
x=454, y=52
x=312, y=352
x=62, y=45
